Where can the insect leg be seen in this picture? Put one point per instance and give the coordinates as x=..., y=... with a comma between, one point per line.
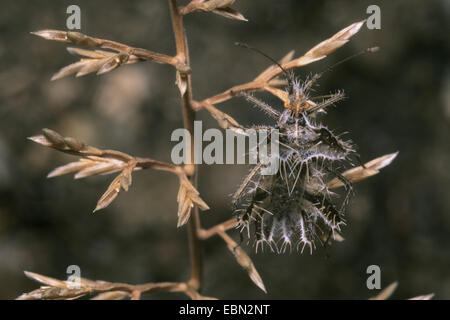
x=260, y=104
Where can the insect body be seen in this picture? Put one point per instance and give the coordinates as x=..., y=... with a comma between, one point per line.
x=294, y=206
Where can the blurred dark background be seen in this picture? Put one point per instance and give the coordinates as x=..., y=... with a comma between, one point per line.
x=397, y=100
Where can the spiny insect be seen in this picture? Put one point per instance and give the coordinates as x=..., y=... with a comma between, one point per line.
x=294, y=206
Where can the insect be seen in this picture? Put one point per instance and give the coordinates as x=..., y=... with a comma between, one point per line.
x=294, y=206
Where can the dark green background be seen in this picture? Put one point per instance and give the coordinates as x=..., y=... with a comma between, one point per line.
x=397, y=99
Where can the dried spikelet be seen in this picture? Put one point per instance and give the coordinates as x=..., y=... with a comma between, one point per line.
x=105, y=167
x=247, y=264
x=229, y=13
x=89, y=166
x=121, y=182
x=181, y=83
x=219, y=7
x=70, y=168
x=98, y=61
x=52, y=282
x=244, y=261
x=74, y=144
x=58, y=289
x=387, y=292
x=75, y=38
x=267, y=80
x=54, y=140
x=326, y=47
x=53, y=293
x=55, y=35
x=215, y=4
x=91, y=54
x=54, y=289
x=104, y=61
x=188, y=196
x=360, y=173
x=423, y=297
x=318, y=52
x=95, y=161
x=123, y=54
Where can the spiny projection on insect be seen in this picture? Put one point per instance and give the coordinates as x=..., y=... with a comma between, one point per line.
x=294, y=207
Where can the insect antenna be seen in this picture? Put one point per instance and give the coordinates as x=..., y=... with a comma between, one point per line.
x=337, y=96
x=289, y=75
x=368, y=50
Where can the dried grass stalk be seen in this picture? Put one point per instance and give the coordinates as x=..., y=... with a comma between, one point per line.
x=263, y=82
x=96, y=161
x=123, y=53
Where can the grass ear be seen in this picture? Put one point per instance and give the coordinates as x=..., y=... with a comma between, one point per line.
x=294, y=202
